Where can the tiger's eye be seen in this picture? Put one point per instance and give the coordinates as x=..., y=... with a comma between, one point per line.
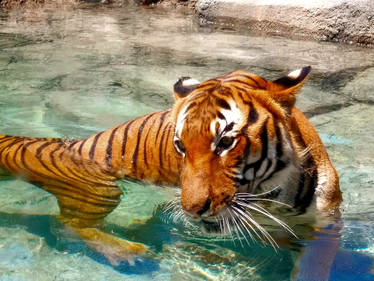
x=224, y=143
x=179, y=146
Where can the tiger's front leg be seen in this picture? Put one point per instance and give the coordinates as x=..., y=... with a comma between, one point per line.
x=86, y=193
x=113, y=248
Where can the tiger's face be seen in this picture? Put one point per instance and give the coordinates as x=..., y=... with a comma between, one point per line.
x=232, y=134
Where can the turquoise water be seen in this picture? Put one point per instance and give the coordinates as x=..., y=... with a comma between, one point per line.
x=71, y=73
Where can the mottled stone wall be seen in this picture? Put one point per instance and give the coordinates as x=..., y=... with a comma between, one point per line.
x=334, y=20
x=12, y=4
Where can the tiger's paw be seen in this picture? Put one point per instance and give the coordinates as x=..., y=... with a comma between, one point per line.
x=113, y=248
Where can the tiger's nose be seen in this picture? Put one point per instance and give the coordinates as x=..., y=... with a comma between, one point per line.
x=198, y=211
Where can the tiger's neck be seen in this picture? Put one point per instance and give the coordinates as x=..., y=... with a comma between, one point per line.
x=140, y=149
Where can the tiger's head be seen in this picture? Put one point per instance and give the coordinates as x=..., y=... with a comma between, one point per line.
x=233, y=134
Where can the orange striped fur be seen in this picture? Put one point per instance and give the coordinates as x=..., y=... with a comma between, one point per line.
x=234, y=133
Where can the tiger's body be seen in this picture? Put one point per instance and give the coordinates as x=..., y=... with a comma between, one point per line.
x=81, y=173
x=224, y=141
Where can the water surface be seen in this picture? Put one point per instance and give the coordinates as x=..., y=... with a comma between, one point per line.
x=70, y=73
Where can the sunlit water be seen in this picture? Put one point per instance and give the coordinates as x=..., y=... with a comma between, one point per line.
x=75, y=72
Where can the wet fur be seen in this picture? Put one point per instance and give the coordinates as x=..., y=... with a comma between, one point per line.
x=81, y=173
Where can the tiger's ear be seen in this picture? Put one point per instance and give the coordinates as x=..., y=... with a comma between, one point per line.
x=284, y=89
x=184, y=86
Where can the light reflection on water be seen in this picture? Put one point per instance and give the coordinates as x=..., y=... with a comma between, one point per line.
x=73, y=73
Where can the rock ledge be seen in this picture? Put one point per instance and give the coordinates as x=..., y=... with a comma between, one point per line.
x=334, y=20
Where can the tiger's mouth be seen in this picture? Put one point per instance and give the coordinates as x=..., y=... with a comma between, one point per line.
x=240, y=218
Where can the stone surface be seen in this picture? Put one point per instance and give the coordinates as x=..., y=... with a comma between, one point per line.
x=36, y=4
x=335, y=20
x=361, y=88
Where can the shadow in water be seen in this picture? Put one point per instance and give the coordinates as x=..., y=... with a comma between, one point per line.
x=57, y=237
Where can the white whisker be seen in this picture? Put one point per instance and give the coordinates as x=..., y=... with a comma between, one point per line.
x=233, y=218
x=249, y=219
x=226, y=220
x=282, y=223
x=259, y=194
x=261, y=229
x=239, y=227
x=263, y=211
x=269, y=200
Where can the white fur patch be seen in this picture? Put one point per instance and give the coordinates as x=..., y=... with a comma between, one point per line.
x=295, y=74
x=234, y=115
x=190, y=82
x=180, y=122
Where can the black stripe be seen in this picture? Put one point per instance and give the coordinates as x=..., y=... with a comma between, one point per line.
x=264, y=152
x=93, y=145
x=161, y=144
x=145, y=146
x=74, y=176
x=17, y=140
x=108, y=156
x=244, y=82
x=6, y=160
x=228, y=127
x=41, y=148
x=222, y=103
x=52, y=159
x=136, y=151
x=7, y=139
x=252, y=116
x=264, y=140
x=221, y=116
x=38, y=156
x=300, y=188
x=305, y=190
x=15, y=154
x=23, y=152
x=279, y=145
x=243, y=158
x=160, y=125
x=166, y=143
x=252, y=79
x=124, y=140
x=74, y=142
x=81, y=147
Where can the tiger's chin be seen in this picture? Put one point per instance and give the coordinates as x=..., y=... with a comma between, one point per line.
x=216, y=225
x=211, y=227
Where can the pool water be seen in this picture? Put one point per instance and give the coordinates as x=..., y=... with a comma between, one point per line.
x=70, y=73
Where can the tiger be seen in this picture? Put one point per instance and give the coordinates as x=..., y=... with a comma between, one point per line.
x=224, y=142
